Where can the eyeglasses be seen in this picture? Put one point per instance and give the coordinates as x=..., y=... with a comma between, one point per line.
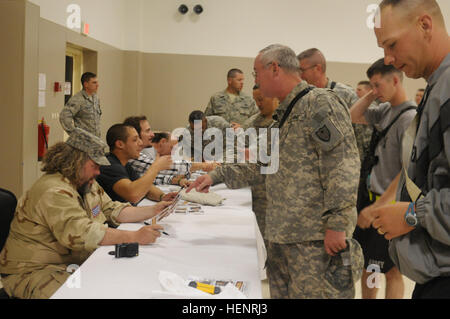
x=265, y=66
x=306, y=69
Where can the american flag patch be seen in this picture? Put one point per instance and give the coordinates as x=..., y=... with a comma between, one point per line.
x=96, y=210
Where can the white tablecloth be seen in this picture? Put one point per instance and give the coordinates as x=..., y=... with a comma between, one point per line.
x=221, y=245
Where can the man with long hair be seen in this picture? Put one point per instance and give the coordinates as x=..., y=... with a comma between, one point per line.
x=62, y=219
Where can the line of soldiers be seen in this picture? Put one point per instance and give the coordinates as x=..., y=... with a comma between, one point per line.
x=308, y=206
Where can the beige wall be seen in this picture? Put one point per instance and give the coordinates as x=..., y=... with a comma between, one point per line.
x=34, y=46
x=173, y=85
x=164, y=87
x=99, y=58
x=18, y=67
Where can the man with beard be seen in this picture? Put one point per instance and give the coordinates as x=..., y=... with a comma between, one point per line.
x=64, y=217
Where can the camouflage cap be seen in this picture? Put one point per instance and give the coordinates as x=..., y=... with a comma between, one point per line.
x=346, y=268
x=92, y=145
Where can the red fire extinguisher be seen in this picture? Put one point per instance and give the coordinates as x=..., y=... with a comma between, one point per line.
x=43, y=131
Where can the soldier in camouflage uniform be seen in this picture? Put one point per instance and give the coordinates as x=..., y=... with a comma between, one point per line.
x=60, y=221
x=311, y=199
x=83, y=109
x=208, y=122
x=363, y=88
x=263, y=119
x=313, y=70
x=232, y=104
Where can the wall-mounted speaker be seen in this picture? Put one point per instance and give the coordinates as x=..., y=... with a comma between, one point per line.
x=183, y=9
x=198, y=9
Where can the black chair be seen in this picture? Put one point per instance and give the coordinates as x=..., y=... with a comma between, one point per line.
x=8, y=203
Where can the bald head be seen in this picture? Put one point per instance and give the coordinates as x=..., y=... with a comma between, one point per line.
x=410, y=9
x=413, y=36
x=314, y=57
x=313, y=67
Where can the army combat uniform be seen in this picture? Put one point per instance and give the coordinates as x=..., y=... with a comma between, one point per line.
x=313, y=190
x=82, y=111
x=237, y=110
x=363, y=133
x=213, y=122
x=259, y=197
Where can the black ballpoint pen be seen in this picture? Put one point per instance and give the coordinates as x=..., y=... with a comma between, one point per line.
x=163, y=232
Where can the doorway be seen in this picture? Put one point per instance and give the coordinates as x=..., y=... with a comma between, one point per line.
x=74, y=70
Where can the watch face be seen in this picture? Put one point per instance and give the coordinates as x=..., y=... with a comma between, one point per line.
x=411, y=220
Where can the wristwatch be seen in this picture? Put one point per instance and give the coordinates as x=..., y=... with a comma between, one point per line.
x=410, y=216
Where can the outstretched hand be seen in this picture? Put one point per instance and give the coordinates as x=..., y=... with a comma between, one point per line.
x=201, y=184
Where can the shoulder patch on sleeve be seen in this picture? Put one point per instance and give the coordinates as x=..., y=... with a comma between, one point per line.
x=326, y=135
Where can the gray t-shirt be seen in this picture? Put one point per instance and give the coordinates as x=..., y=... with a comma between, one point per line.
x=389, y=149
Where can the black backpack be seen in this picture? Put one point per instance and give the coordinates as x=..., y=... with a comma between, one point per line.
x=370, y=160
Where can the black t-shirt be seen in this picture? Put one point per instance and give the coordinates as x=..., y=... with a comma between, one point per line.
x=111, y=174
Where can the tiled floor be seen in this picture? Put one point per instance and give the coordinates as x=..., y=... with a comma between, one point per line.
x=409, y=287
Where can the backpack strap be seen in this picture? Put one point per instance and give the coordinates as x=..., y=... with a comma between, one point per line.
x=292, y=104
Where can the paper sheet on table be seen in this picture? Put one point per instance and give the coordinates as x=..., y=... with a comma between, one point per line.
x=175, y=286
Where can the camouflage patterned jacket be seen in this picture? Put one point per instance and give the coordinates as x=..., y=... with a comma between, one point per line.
x=363, y=133
x=54, y=225
x=213, y=121
x=237, y=111
x=82, y=111
x=316, y=184
x=259, y=196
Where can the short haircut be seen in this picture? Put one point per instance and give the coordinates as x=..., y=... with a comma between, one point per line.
x=316, y=57
x=232, y=73
x=283, y=55
x=196, y=116
x=410, y=7
x=117, y=132
x=135, y=121
x=420, y=90
x=380, y=68
x=86, y=77
x=366, y=83
x=256, y=87
x=159, y=136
